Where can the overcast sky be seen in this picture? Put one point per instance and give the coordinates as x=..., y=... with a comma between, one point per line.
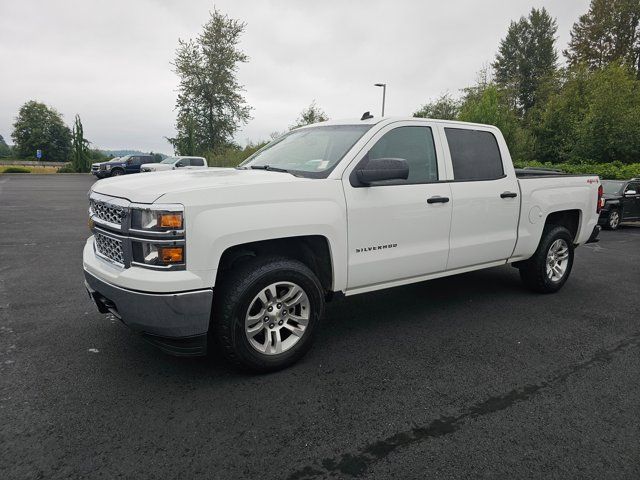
x=109, y=61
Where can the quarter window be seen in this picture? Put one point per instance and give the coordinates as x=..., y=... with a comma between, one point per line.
x=414, y=145
x=475, y=154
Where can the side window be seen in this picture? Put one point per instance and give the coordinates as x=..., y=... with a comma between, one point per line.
x=475, y=154
x=633, y=186
x=414, y=145
x=197, y=162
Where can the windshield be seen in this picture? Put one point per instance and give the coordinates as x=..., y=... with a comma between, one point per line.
x=309, y=152
x=115, y=159
x=612, y=188
x=170, y=160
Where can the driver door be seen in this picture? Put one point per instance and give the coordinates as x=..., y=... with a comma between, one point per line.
x=399, y=229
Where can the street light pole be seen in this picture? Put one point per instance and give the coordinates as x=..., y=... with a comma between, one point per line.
x=384, y=93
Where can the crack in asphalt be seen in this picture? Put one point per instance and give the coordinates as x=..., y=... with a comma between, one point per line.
x=355, y=464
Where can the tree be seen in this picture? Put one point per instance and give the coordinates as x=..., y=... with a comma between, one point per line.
x=527, y=57
x=80, y=155
x=5, y=150
x=488, y=104
x=38, y=127
x=210, y=104
x=311, y=114
x=444, y=108
x=608, y=32
x=595, y=117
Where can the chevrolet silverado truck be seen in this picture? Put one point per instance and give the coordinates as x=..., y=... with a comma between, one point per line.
x=242, y=260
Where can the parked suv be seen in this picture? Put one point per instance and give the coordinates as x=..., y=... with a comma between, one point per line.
x=173, y=163
x=621, y=202
x=121, y=165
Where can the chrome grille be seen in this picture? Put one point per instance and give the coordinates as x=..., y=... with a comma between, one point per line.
x=108, y=213
x=109, y=247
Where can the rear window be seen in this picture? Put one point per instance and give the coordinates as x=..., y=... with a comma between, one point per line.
x=475, y=154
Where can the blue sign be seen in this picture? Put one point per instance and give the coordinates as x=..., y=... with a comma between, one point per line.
x=38, y=154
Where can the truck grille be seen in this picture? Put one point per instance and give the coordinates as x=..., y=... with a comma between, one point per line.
x=108, y=213
x=109, y=247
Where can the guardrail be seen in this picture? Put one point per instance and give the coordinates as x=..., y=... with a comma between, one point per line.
x=30, y=163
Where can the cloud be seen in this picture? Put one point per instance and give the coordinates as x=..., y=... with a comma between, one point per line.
x=110, y=61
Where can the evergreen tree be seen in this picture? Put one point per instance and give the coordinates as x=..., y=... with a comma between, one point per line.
x=527, y=57
x=80, y=155
x=210, y=104
x=608, y=32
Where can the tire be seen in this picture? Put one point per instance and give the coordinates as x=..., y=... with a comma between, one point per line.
x=117, y=172
x=613, y=220
x=237, y=304
x=556, y=243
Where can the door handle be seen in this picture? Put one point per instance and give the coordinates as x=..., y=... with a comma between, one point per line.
x=437, y=199
x=508, y=195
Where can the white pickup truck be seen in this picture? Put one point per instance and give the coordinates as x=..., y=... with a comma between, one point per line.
x=242, y=260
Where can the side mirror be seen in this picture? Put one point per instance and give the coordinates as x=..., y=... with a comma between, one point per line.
x=380, y=169
x=630, y=193
x=179, y=164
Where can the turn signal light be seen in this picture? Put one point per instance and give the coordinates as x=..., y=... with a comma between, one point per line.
x=171, y=254
x=170, y=220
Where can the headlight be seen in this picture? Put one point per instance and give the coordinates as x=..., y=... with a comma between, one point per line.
x=158, y=236
x=151, y=220
x=108, y=167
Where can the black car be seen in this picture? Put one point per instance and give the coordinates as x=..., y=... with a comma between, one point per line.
x=121, y=165
x=621, y=202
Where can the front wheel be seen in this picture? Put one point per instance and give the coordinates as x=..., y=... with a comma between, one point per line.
x=116, y=173
x=266, y=312
x=550, y=266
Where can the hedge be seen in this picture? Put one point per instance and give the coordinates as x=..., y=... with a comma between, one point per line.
x=612, y=171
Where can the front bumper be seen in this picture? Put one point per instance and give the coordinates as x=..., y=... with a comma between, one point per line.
x=176, y=322
x=100, y=173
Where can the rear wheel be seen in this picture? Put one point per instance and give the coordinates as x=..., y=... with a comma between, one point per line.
x=613, y=220
x=266, y=312
x=550, y=266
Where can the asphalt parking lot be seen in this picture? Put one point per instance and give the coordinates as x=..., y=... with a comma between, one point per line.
x=464, y=377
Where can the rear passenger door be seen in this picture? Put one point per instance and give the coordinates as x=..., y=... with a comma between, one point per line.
x=631, y=209
x=133, y=164
x=485, y=193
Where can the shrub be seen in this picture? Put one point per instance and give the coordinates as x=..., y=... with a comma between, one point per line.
x=68, y=168
x=613, y=171
x=16, y=170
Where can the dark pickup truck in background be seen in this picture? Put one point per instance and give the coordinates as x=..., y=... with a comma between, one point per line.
x=621, y=202
x=121, y=165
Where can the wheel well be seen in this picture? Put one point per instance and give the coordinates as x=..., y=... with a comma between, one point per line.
x=312, y=250
x=570, y=219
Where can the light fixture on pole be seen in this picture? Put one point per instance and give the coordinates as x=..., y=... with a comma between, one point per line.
x=384, y=93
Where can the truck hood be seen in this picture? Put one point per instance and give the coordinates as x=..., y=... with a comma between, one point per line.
x=150, y=187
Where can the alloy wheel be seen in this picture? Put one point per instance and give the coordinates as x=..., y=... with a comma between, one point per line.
x=557, y=260
x=277, y=318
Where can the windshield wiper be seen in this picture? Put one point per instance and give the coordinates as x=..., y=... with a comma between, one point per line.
x=269, y=168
